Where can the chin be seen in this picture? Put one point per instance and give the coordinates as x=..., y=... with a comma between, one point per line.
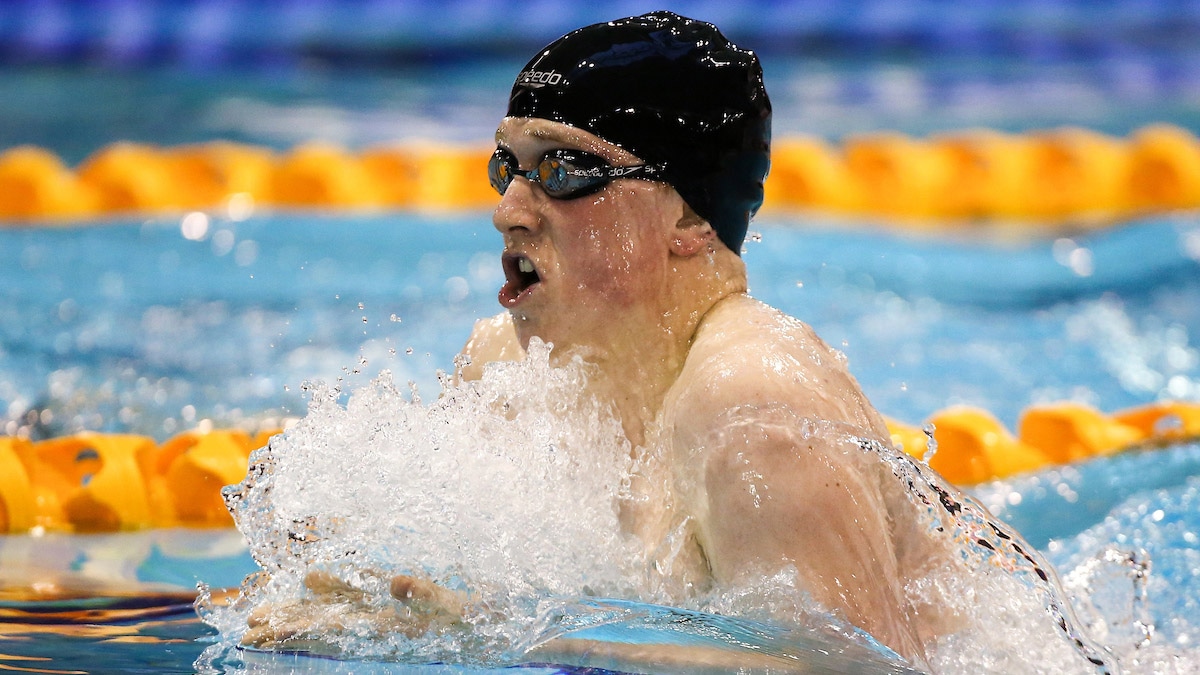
x=528, y=328
x=561, y=345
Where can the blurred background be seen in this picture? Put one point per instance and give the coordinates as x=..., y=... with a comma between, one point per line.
x=206, y=205
x=75, y=74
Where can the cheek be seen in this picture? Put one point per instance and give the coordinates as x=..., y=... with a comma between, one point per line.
x=606, y=252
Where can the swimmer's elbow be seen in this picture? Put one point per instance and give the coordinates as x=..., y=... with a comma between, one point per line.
x=771, y=496
x=772, y=505
x=763, y=489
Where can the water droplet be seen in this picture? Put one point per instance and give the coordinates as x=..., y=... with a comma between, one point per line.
x=408, y=351
x=223, y=242
x=931, y=446
x=394, y=318
x=194, y=226
x=240, y=206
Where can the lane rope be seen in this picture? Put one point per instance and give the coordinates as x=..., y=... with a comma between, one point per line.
x=99, y=482
x=1043, y=177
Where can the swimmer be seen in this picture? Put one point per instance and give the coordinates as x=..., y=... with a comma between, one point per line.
x=629, y=164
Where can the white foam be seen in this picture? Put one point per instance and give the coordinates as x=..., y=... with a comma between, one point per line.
x=509, y=488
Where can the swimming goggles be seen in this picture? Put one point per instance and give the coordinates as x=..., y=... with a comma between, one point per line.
x=565, y=174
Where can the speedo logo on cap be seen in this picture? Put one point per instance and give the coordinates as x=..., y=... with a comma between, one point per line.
x=536, y=79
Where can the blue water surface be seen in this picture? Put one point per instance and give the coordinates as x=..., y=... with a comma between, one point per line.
x=135, y=327
x=149, y=326
x=122, y=327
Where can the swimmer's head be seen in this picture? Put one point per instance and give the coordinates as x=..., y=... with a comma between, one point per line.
x=672, y=91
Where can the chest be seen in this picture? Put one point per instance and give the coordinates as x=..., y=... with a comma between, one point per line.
x=657, y=512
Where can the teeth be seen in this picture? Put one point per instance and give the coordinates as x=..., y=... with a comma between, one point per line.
x=525, y=266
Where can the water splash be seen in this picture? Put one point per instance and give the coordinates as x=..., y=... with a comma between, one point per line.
x=387, y=485
x=509, y=489
x=999, y=569
x=1147, y=612
x=1110, y=591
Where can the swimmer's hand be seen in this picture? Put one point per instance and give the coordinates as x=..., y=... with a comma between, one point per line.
x=438, y=605
x=337, y=608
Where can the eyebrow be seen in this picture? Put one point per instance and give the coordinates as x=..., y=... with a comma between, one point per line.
x=541, y=134
x=544, y=134
x=563, y=137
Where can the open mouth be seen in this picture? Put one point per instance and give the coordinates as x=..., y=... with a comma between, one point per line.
x=520, y=277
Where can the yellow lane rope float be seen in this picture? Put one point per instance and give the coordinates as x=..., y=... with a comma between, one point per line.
x=972, y=446
x=1049, y=176
x=92, y=482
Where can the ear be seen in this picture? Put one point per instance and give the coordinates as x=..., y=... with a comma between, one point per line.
x=692, y=235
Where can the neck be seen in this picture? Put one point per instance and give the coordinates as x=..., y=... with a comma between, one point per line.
x=646, y=351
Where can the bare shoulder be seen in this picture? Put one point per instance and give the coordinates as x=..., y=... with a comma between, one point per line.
x=492, y=339
x=765, y=423
x=760, y=392
x=747, y=355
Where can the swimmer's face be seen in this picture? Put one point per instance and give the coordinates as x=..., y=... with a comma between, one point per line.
x=577, y=269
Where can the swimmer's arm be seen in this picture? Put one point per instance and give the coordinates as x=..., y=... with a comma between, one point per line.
x=632, y=657
x=333, y=606
x=771, y=490
x=775, y=497
x=492, y=339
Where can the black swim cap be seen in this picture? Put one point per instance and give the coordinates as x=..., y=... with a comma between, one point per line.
x=670, y=90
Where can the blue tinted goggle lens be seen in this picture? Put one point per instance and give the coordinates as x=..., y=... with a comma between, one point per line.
x=564, y=174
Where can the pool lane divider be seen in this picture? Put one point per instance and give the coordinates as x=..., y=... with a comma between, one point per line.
x=972, y=446
x=96, y=482
x=1053, y=176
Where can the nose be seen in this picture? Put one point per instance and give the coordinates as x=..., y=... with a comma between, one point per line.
x=518, y=212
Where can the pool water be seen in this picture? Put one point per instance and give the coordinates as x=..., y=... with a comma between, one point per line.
x=141, y=326
x=146, y=325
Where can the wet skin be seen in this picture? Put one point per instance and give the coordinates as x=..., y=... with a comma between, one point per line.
x=726, y=386
x=595, y=254
x=721, y=397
